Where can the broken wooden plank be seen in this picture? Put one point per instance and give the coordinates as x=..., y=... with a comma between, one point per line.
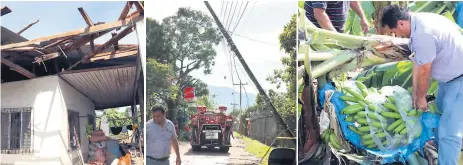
x=27, y=27
x=85, y=16
x=112, y=55
x=45, y=57
x=139, y=7
x=17, y=68
x=5, y=10
x=81, y=32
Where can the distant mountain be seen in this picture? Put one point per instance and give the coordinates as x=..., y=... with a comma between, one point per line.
x=223, y=96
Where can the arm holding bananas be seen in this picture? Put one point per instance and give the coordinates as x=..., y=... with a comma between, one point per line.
x=421, y=77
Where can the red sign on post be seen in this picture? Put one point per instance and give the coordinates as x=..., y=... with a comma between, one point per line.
x=189, y=93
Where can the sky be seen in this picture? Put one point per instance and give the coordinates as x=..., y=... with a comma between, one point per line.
x=58, y=17
x=260, y=25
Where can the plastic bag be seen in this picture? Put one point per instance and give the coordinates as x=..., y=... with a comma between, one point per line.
x=389, y=153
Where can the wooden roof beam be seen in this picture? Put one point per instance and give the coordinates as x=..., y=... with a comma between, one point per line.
x=85, y=16
x=116, y=45
x=81, y=32
x=125, y=11
x=18, y=68
x=113, y=54
x=27, y=27
x=5, y=10
x=139, y=7
x=107, y=44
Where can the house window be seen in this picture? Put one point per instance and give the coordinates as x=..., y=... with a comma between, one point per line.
x=74, y=129
x=91, y=121
x=16, y=130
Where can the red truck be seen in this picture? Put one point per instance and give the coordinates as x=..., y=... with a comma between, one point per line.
x=211, y=128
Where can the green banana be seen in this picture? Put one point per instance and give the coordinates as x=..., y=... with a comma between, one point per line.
x=391, y=106
x=362, y=114
x=349, y=119
x=349, y=98
x=334, y=141
x=368, y=142
x=394, y=125
x=376, y=117
x=366, y=137
x=351, y=109
x=394, y=115
x=362, y=121
x=413, y=112
x=372, y=146
x=362, y=103
x=391, y=99
x=362, y=88
x=355, y=94
x=363, y=128
x=352, y=128
x=356, y=117
x=376, y=124
x=380, y=134
x=399, y=128
x=431, y=109
x=403, y=132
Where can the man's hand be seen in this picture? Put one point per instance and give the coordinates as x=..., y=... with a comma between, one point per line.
x=178, y=161
x=364, y=24
x=355, y=5
x=421, y=104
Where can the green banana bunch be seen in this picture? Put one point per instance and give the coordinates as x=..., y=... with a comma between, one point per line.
x=329, y=137
x=380, y=120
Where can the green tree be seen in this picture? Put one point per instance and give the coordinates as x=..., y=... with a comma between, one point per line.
x=184, y=41
x=117, y=118
x=207, y=101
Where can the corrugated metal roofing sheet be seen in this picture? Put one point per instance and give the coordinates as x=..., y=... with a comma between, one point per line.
x=108, y=87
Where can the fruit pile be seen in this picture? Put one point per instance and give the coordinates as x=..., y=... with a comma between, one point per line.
x=384, y=119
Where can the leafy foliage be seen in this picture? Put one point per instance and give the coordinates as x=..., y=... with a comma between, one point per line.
x=179, y=45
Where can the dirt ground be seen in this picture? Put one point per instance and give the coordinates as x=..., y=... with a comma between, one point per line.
x=236, y=155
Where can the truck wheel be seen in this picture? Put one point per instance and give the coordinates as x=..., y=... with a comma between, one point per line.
x=224, y=149
x=195, y=148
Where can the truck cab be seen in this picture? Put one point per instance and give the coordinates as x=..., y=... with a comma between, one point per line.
x=211, y=128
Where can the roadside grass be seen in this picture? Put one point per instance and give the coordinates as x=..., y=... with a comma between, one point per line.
x=255, y=147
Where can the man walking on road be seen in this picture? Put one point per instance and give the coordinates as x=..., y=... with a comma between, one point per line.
x=437, y=44
x=332, y=15
x=160, y=135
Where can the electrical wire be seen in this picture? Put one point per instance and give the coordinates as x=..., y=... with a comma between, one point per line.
x=242, y=13
x=236, y=6
x=228, y=20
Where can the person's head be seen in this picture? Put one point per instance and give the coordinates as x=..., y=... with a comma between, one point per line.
x=397, y=20
x=159, y=113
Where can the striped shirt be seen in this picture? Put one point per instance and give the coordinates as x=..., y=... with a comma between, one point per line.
x=337, y=11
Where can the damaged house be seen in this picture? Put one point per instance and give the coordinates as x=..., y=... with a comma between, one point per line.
x=52, y=85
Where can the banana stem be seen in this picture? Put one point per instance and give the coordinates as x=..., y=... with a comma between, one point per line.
x=321, y=56
x=348, y=41
x=333, y=63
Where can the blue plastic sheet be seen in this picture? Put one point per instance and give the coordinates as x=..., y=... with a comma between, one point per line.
x=428, y=121
x=459, y=11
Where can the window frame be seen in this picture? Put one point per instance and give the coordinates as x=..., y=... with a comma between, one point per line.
x=24, y=147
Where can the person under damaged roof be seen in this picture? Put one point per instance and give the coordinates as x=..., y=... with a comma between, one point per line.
x=437, y=51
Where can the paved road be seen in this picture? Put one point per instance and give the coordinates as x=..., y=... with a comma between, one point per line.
x=236, y=155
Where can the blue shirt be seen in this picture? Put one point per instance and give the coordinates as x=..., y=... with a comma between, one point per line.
x=158, y=139
x=434, y=38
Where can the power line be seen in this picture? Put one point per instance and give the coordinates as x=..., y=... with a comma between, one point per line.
x=225, y=12
x=250, y=13
x=221, y=10
x=252, y=39
x=229, y=24
x=229, y=15
x=240, y=17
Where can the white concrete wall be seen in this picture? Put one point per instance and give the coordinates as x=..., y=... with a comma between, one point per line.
x=50, y=98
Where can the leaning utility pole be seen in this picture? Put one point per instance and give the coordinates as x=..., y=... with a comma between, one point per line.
x=241, y=86
x=246, y=68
